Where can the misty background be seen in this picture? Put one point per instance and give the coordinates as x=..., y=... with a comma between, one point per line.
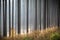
x=51, y=14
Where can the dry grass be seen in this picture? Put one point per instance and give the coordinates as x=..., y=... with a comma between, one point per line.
x=36, y=35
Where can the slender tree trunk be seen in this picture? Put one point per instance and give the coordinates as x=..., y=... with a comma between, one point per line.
x=4, y=18
x=27, y=13
x=44, y=14
x=12, y=18
x=40, y=14
x=19, y=16
x=9, y=20
x=58, y=13
x=35, y=14
x=0, y=17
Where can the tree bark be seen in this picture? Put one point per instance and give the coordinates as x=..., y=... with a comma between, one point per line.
x=19, y=16
x=4, y=17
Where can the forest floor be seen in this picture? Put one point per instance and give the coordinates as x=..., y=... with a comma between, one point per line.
x=36, y=35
